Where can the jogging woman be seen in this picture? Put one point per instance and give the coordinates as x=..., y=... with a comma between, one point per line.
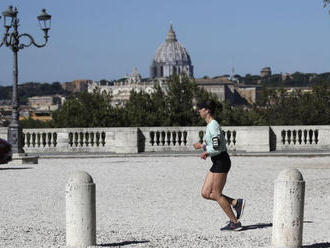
x=215, y=147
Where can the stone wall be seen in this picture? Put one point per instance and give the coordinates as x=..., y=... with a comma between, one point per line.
x=300, y=138
x=173, y=139
x=245, y=139
x=59, y=140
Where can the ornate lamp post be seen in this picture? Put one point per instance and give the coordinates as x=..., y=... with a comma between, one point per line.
x=12, y=39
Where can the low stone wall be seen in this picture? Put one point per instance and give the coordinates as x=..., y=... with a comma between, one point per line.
x=248, y=139
x=300, y=138
x=117, y=140
x=173, y=139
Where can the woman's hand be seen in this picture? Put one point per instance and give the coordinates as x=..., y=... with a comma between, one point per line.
x=198, y=146
x=204, y=155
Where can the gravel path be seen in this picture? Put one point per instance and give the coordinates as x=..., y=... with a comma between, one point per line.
x=156, y=202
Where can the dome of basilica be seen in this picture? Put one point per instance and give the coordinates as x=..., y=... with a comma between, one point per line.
x=171, y=57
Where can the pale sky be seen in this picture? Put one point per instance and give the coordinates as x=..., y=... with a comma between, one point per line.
x=105, y=39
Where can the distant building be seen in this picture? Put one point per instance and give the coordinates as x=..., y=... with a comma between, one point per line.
x=41, y=107
x=216, y=86
x=250, y=94
x=171, y=58
x=45, y=103
x=286, y=76
x=5, y=115
x=304, y=90
x=5, y=102
x=37, y=116
x=229, y=91
x=76, y=86
x=121, y=91
x=5, y=112
x=265, y=72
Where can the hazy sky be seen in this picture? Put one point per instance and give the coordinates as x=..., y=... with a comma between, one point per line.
x=104, y=39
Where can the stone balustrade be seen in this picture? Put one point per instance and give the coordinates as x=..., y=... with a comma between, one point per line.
x=300, y=138
x=155, y=139
x=56, y=140
x=173, y=139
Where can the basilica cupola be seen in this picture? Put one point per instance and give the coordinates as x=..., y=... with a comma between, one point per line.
x=171, y=58
x=171, y=37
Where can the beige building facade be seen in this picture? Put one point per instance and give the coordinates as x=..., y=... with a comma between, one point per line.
x=45, y=103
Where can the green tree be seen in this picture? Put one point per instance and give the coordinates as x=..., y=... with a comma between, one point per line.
x=180, y=96
x=30, y=123
x=239, y=116
x=138, y=110
x=86, y=110
x=159, y=102
x=326, y=2
x=297, y=107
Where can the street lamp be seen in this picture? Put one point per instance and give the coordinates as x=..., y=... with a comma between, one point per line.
x=12, y=39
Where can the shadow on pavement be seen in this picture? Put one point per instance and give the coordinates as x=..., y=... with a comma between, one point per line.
x=124, y=243
x=264, y=225
x=256, y=226
x=318, y=245
x=16, y=168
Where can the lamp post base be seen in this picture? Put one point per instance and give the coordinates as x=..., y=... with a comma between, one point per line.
x=15, y=137
x=23, y=158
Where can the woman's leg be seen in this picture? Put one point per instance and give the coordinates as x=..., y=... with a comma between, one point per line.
x=207, y=186
x=218, y=183
x=230, y=200
x=209, y=193
x=207, y=189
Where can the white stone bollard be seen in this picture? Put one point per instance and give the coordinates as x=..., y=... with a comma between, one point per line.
x=288, y=213
x=80, y=211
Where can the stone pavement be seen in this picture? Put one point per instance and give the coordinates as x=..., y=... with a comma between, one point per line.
x=154, y=201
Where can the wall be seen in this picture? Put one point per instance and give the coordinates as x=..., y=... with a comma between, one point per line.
x=173, y=139
x=300, y=138
x=59, y=140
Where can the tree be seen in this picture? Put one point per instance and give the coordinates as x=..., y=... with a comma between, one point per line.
x=160, y=116
x=180, y=100
x=86, y=110
x=297, y=107
x=326, y=3
x=138, y=110
x=30, y=123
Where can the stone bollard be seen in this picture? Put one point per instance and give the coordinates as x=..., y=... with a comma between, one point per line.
x=80, y=211
x=288, y=213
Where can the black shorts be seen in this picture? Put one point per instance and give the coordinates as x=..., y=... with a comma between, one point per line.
x=221, y=163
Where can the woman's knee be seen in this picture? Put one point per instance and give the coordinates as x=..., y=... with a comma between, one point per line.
x=214, y=195
x=217, y=196
x=206, y=195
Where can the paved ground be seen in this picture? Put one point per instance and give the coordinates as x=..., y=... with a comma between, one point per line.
x=155, y=202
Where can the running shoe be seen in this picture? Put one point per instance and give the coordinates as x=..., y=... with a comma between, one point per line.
x=231, y=226
x=239, y=208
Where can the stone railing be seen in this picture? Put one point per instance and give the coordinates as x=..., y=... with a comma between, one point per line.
x=53, y=140
x=300, y=138
x=173, y=139
x=155, y=139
